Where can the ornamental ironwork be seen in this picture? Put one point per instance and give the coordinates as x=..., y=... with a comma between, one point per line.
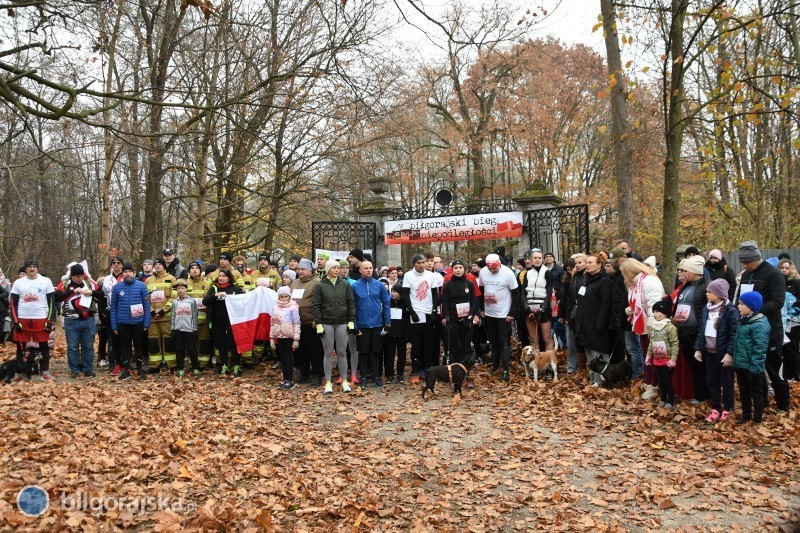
x=344, y=235
x=561, y=230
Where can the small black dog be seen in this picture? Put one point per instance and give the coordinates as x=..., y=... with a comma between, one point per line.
x=455, y=374
x=27, y=366
x=611, y=374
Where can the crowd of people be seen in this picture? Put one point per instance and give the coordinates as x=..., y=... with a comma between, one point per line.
x=718, y=322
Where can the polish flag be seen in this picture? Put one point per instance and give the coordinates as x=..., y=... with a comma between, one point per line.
x=250, y=315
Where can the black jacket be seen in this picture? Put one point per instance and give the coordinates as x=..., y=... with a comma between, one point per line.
x=592, y=313
x=399, y=327
x=723, y=271
x=687, y=334
x=176, y=269
x=4, y=294
x=458, y=291
x=793, y=287
x=215, y=304
x=619, y=301
x=571, y=295
x=771, y=284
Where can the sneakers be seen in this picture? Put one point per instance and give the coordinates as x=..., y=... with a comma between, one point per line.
x=376, y=382
x=117, y=371
x=196, y=373
x=363, y=384
x=414, y=379
x=282, y=384
x=316, y=381
x=181, y=374
x=389, y=380
x=102, y=363
x=289, y=385
x=354, y=378
x=506, y=376
x=141, y=374
x=339, y=381
x=75, y=375
x=47, y=376
x=89, y=374
x=237, y=371
x=401, y=379
x=276, y=365
x=742, y=421
x=662, y=404
x=650, y=393
x=712, y=417
x=346, y=387
x=124, y=375
x=302, y=379
x=224, y=370
x=328, y=388
x=724, y=416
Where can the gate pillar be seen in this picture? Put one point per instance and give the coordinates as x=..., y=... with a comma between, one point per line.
x=378, y=209
x=536, y=196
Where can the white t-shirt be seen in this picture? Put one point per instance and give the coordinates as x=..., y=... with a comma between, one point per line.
x=33, y=296
x=497, y=291
x=421, y=285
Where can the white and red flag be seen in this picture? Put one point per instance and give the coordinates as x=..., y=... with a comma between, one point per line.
x=250, y=316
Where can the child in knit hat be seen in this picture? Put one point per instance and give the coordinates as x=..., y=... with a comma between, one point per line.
x=288, y=277
x=284, y=334
x=662, y=351
x=750, y=355
x=714, y=346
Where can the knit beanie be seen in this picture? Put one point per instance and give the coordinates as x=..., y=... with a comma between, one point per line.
x=662, y=306
x=417, y=257
x=343, y=263
x=285, y=290
x=306, y=264
x=357, y=253
x=290, y=273
x=160, y=261
x=329, y=264
x=694, y=264
x=715, y=253
x=76, y=270
x=752, y=300
x=128, y=266
x=323, y=255
x=719, y=288
x=651, y=262
x=749, y=252
x=398, y=288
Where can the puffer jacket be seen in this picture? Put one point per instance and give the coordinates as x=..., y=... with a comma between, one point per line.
x=285, y=321
x=752, y=341
x=372, y=304
x=123, y=296
x=333, y=303
x=727, y=324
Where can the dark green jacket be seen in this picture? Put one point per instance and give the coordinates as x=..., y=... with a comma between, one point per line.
x=750, y=346
x=333, y=304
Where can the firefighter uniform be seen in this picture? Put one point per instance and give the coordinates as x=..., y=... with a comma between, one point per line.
x=159, y=341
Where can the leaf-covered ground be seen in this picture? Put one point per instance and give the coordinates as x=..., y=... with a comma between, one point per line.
x=555, y=456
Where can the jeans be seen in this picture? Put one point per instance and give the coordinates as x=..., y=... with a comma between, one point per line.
x=572, y=351
x=560, y=331
x=80, y=344
x=634, y=346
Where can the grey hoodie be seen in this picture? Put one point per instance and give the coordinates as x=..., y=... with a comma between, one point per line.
x=184, y=315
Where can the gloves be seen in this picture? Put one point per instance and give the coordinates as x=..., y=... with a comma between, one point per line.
x=648, y=361
x=698, y=355
x=320, y=330
x=628, y=311
x=48, y=326
x=383, y=331
x=671, y=363
x=272, y=343
x=152, y=313
x=295, y=345
x=414, y=316
x=727, y=360
x=18, y=326
x=351, y=328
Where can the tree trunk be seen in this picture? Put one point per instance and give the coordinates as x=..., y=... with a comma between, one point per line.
x=674, y=138
x=619, y=124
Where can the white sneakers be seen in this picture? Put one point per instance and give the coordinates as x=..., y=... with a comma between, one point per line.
x=329, y=388
x=346, y=387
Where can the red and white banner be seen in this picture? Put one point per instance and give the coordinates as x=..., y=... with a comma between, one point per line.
x=250, y=315
x=454, y=228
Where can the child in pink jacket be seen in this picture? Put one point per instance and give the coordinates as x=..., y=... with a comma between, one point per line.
x=285, y=333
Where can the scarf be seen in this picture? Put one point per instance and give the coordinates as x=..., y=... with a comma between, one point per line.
x=223, y=285
x=714, y=307
x=660, y=324
x=638, y=304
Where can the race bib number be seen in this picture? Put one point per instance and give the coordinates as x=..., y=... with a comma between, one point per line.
x=184, y=310
x=137, y=310
x=490, y=298
x=746, y=287
x=397, y=314
x=682, y=313
x=462, y=310
x=157, y=296
x=297, y=294
x=582, y=290
x=710, y=331
x=660, y=350
x=264, y=282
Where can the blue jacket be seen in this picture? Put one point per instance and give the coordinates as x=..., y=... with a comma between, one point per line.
x=123, y=297
x=752, y=341
x=726, y=330
x=372, y=304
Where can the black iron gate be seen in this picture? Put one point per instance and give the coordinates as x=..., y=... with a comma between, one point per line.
x=561, y=230
x=344, y=235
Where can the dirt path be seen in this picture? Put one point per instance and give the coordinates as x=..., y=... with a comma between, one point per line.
x=242, y=454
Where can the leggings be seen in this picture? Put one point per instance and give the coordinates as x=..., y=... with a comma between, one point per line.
x=286, y=357
x=337, y=335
